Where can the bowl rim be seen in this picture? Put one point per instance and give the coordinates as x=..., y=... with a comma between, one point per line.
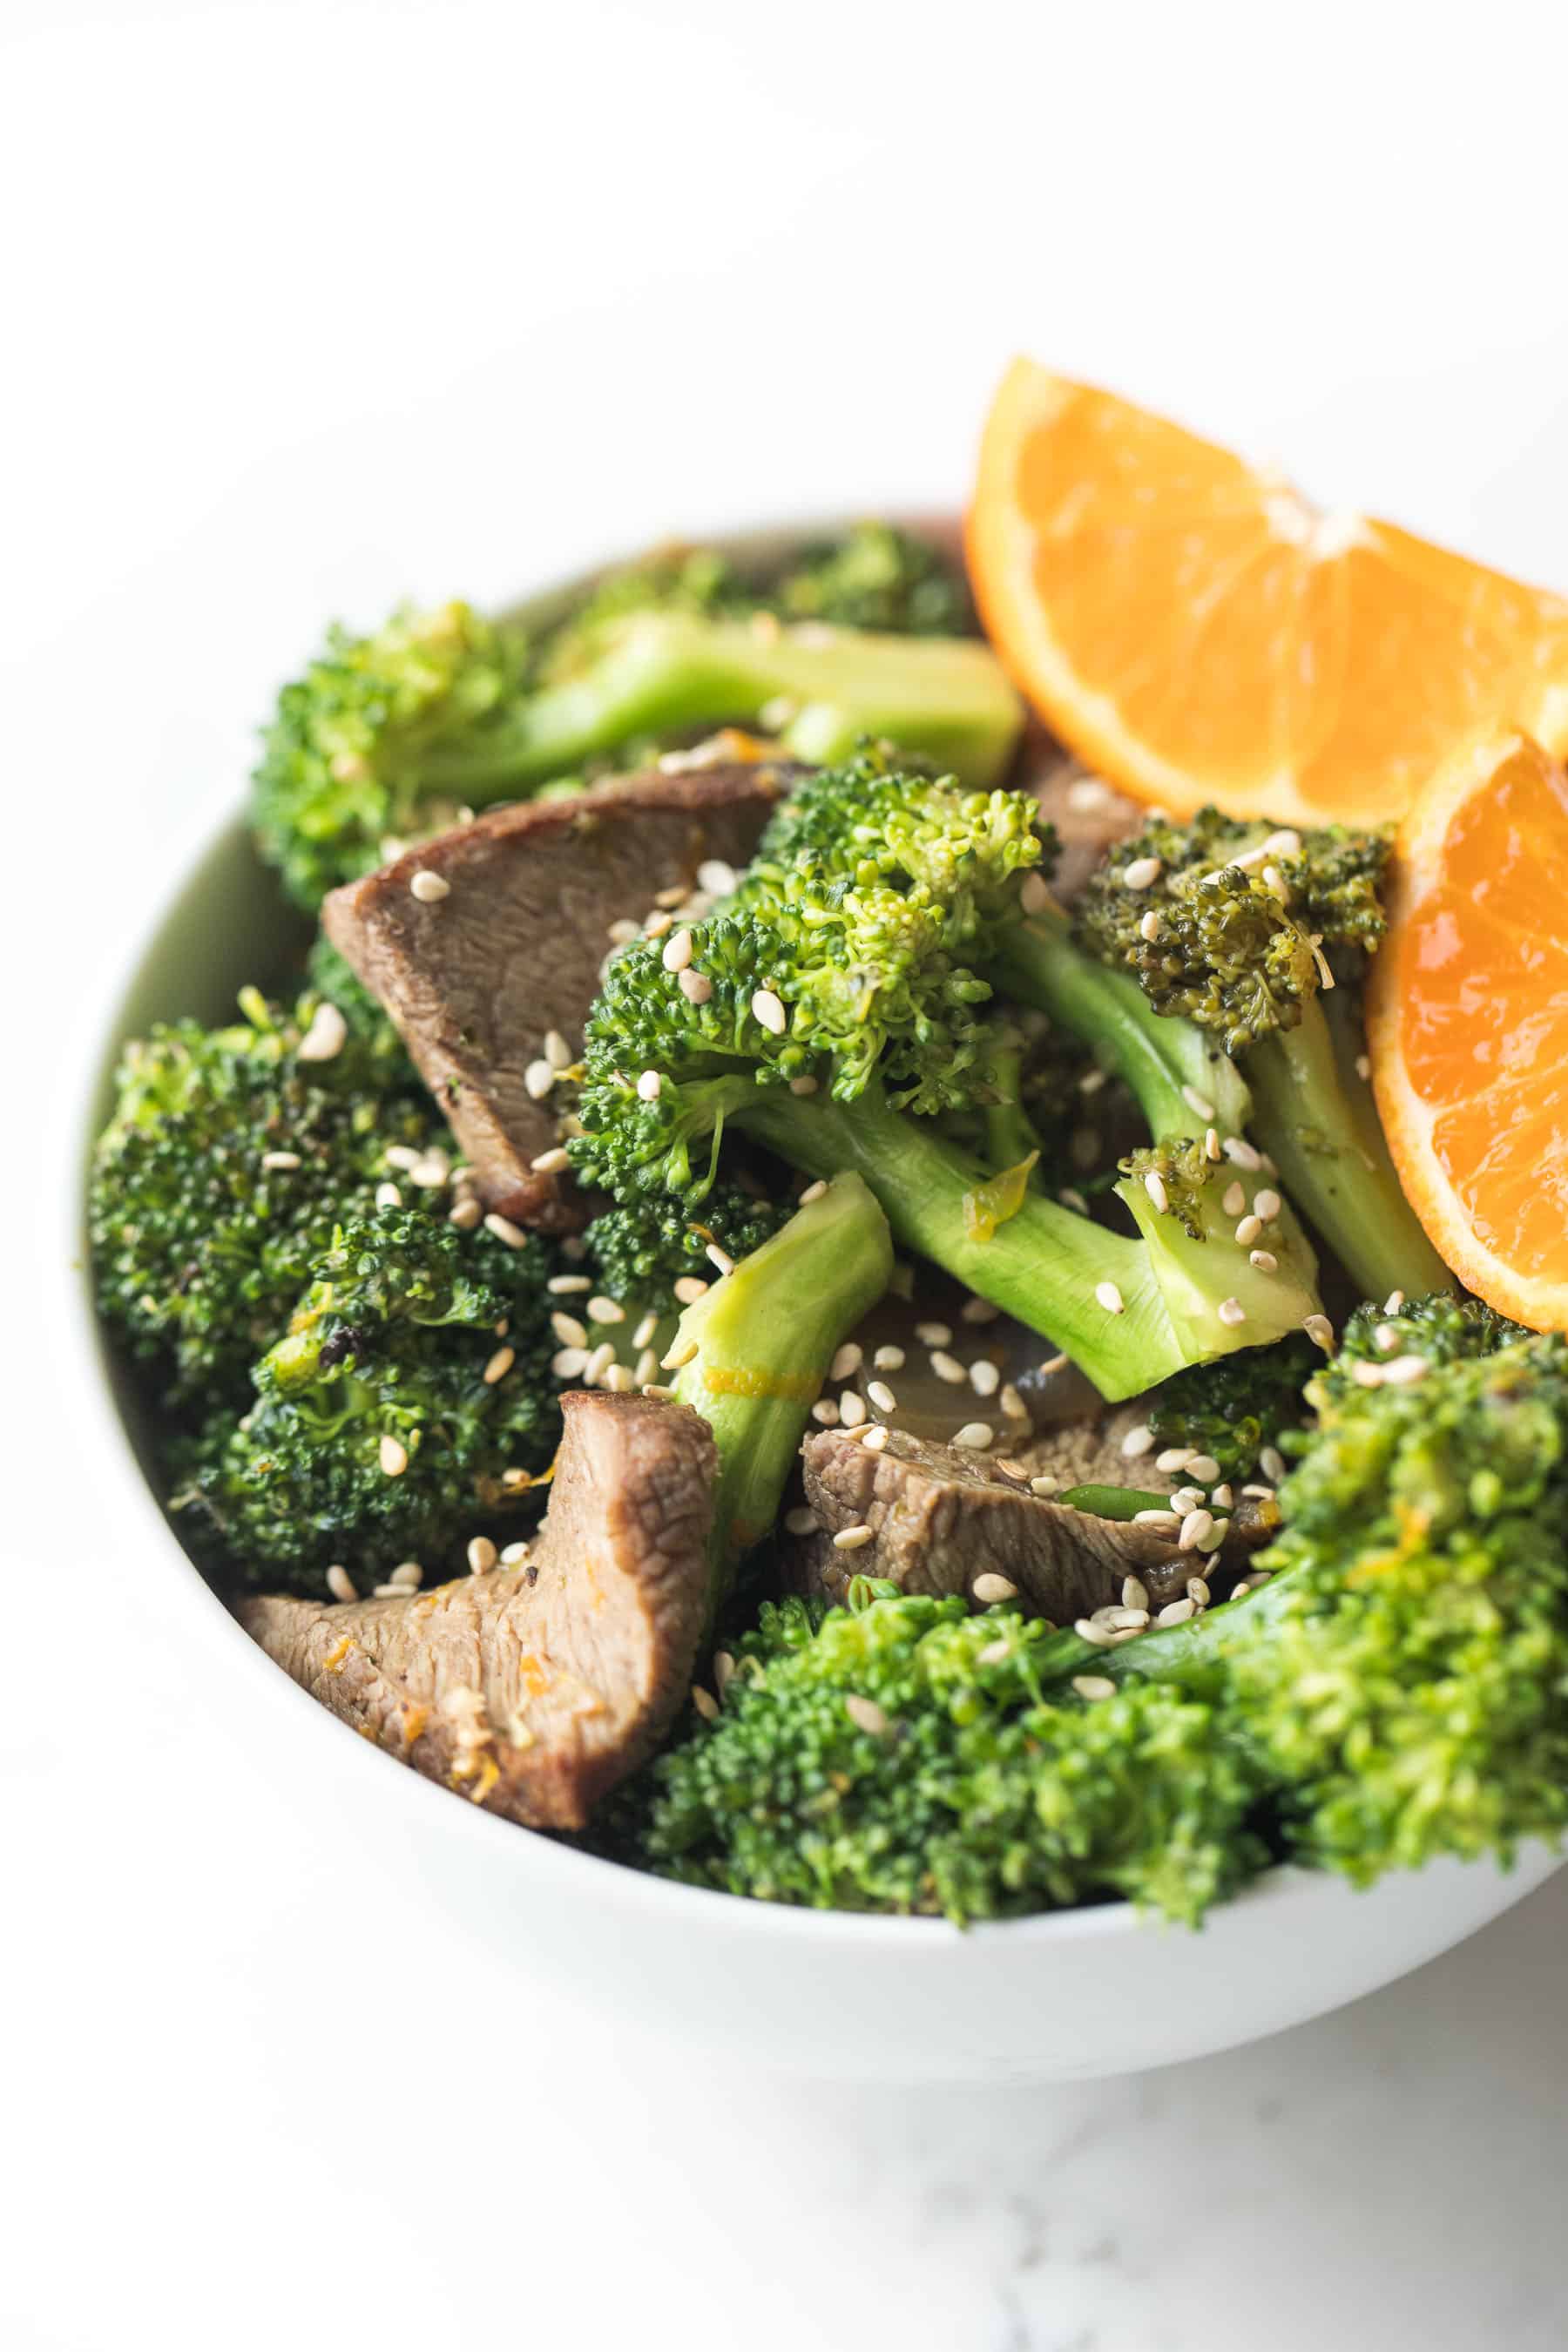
x=187, y=847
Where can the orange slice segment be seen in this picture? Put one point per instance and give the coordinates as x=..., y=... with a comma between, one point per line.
x=1196, y=631
x=1467, y=1023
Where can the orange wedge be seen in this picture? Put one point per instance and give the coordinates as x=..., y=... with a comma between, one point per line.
x=1467, y=1023
x=1196, y=631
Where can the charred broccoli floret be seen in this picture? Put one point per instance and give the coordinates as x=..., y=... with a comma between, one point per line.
x=640, y=1250
x=403, y=1412
x=1238, y=1408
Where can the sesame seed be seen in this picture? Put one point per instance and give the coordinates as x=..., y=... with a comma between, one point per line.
x=847, y=1362
x=598, y=1363
x=550, y=1163
x=1211, y=1143
x=281, y=1159
x=888, y=1359
x=851, y=1538
x=1248, y=1230
x=642, y=1336
x=984, y=1377
x=948, y=1367
x=623, y=930
x=979, y=1310
x=934, y=1335
x=1405, y=1369
x=617, y=1379
x=387, y=1196
x=1155, y=1519
x=990, y=1588
x=1273, y=880
x=326, y=1036
x=812, y=1193
x=1121, y=1620
x=652, y=1388
x=881, y=1396
x=1154, y=1185
x=1222, y=1498
x=804, y=1085
x=826, y=1412
x=466, y=1215
x=1198, y=1591
x=864, y=1713
x=431, y=1173
x=389, y=1592
x=1012, y=1403
x=568, y=1330
x=394, y=1457
x=1094, y=1686
x=657, y=925
x=499, y=1364
x=1238, y=1587
x=482, y=1556
x=1186, y=1499
x=1091, y=1082
x=1176, y=1612
x=1264, y=1260
x=978, y=1436
x=851, y=1409
x=705, y=1703
x=561, y=1286
x=1149, y=926
x=648, y=1086
x=1286, y=843
x=606, y=1310
x=716, y=876
x=874, y=1437
x=1231, y=1311
x=1044, y=1485
x=768, y=1007
x=1271, y=1462
x=1087, y=1631
x=689, y=1288
x=1142, y=873
x=1107, y=1295
x=1134, y=1593
x=645, y=1367
x=1195, y=1525
x=1268, y=1204
x=1241, y=1154
x=1364, y=1066
x=1054, y=1364
x=1233, y=1200
x=1035, y=896
x=802, y=1522
x=695, y=986
x=1321, y=1331
x=568, y=1363
x=1089, y=793
x=1216, y=1536
x=537, y=1080
x=1071, y=1198
x=341, y=1584
x=1263, y=1493
x=429, y=888
x=1393, y=1302
x=719, y=1257
x=505, y=1231
x=1199, y=1105
x=1138, y=1440
x=679, y=949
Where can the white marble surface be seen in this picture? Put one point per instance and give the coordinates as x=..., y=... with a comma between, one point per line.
x=308, y=305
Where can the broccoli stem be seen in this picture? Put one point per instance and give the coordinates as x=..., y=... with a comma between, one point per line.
x=1315, y=1117
x=1043, y=1264
x=1009, y=1133
x=668, y=673
x=766, y=1335
x=1164, y=1061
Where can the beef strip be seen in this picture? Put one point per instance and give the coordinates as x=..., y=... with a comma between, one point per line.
x=1087, y=821
x=533, y=1689
x=475, y=979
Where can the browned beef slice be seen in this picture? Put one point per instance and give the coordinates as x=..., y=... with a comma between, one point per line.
x=532, y=1690
x=942, y=1516
x=474, y=980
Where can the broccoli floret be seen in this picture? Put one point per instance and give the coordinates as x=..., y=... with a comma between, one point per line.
x=641, y=1250
x=391, y=736
x=829, y=1015
x=403, y=1411
x=1234, y=1409
x=231, y=1156
x=1244, y=933
x=329, y=975
x=1394, y=1689
x=879, y=578
x=1438, y=1329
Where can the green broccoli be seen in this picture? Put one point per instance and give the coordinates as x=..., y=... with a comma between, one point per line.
x=641, y=1249
x=1394, y=1688
x=406, y=1409
x=1258, y=939
x=231, y=1155
x=1240, y=1407
x=878, y=577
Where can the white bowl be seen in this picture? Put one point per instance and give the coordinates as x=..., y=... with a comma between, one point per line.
x=1085, y=1992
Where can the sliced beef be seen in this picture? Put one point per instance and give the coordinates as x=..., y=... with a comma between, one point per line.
x=533, y=1689
x=1088, y=814
x=475, y=978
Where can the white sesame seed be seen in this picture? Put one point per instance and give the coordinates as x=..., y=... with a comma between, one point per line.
x=1405, y=1369
x=948, y=1367
x=888, y=1359
x=705, y=1703
x=606, y=1310
x=977, y=1436
x=599, y=1363
x=1268, y=1204
x=537, y=1080
x=1216, y=1536
x=1231, y=1311
x=1035, y=896
x=1239, y=1587
x=1121, y=1620
x=645, y=1367
x=1107, y=1295
x=657, y=925
x=550, y=1163
x=648, y=1086
x=1364, y=1066
x=1241, y=1154
x=1174, y=1457
x=1198, y=1590
x=1088, y=1631
x=873, y=1437
x=1321, y=1331
x=1211, y=1143
x=466, y=1215
x=812, y=1193
x=851, y=1538
x=1232, y=1201
x=1044, y=1484
x=1393, y=1302
x=1271, y=1462
x=1012, y=1403
x=1167, y=1521
x=881, y=1396
x=429, y=888
x=1071, y=1198
x=1186, y=1499
x=847, y=1362
x=1176, y=1612
x=826, y=1412
x=991, y=1588
x=1134, y=1593
x=1138, y=1440
x=1274, y=881
x=1142, y=873
x=979, y=1310
x=802, y=1522
x=326, y=1036
x=1248, y=1231
x=623, y=930
x=1286, y=843
x=562, y=1286
x=1091, y=1081
x=643, y=1335
x=341, y=1584
x=689, y=1288
x=716, y=876
x=394, y=1457
x=804, y=1085
x=499, y=1364
x=1264, y=1260
x=679, y=949
x=1094, y=1686
x=851, y=1409
x=719, y=1257
x=389, y=1592
x=568, y=1330
x=768, y=1007
x=401, y=1155
x=568, y=1363
x=652, y=1388
x=695, y=986
x=1199, y=1105
x=934, y=1335
x=1088, y=792
x=1149, y=926
x=482, y=1556
x=1203, y=1469
x=1195, y=1525
x=984, y=1377
x=1154, y=1185
x=617, y=1378
x=431, y=1173
x=864, y=1713
x=505, y=1231
x=1053, y=1364
x=387, y=1196
x=1263, y=1493
x=282, y=1161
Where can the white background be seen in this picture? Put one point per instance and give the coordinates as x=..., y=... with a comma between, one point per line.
x=305, y=307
